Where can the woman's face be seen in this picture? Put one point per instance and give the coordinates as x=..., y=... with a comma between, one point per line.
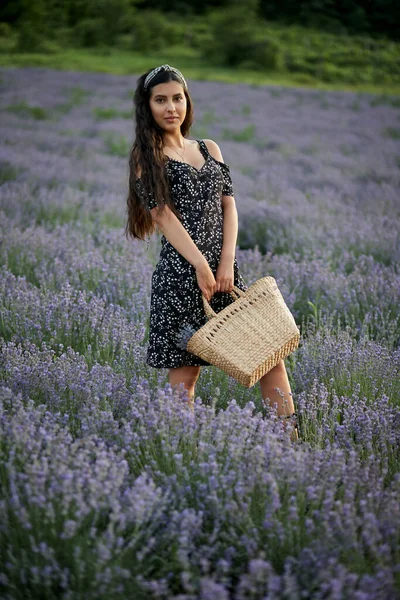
x=168, y=105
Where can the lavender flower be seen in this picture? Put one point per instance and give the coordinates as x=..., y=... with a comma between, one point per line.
x=110, y=486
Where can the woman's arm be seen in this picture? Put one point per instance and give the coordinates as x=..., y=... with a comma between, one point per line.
x=225, y=272
x=177, y=235
x=225, y=275
x=231, y=228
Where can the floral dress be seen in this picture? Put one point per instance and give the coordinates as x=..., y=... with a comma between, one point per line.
x=176, y=299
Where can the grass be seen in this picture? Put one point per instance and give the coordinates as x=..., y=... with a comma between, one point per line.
x=392, y=132
x=244, y=135
x=23, y=109
x=105, y=114
x=123, y=62
x=8, y=172
x=117, y=145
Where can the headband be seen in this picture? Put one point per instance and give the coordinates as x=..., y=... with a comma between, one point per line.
x=154, y=72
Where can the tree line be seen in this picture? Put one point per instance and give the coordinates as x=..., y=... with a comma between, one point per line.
x=372, y=17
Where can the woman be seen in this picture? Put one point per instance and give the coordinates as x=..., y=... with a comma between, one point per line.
x=184, y=188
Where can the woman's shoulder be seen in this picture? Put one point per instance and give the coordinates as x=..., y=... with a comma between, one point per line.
x=213, y=149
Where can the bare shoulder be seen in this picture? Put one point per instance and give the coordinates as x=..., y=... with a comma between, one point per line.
x=214, y=149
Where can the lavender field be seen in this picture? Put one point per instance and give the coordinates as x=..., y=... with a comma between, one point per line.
x=109, y=486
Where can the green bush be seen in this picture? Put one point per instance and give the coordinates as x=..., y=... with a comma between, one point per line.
x=104, y=21
x=350, y=59
x=89, y=33
x=330, y=73
x=153, y=31
x=197, y=33
x=233, y=37
x=238, y=41
x=264, y=54
x=5, y=30
x=65, y=36
x=29, y=39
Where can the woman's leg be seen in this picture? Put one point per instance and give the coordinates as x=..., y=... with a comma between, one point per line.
x=278, y=378
x=186, y=375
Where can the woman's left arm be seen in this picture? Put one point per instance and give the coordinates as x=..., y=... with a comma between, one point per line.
x=225, y=275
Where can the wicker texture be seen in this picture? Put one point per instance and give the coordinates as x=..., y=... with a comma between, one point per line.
x=250, y=336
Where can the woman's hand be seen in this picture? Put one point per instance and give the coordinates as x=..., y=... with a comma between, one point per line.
x=206, y=280
x=225, y=275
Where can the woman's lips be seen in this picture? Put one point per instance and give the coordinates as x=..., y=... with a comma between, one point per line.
x=171, y=118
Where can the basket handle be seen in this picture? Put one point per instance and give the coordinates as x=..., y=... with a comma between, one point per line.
x=235, y=293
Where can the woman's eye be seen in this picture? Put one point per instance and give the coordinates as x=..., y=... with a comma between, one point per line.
x=159, y=100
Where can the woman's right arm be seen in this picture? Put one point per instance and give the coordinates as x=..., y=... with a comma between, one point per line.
x=177, y=235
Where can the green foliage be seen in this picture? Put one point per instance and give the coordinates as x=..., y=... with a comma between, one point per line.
x=104, y=114
x=8, y=172
x=392, y=132
x=117, y=145
x=32, y=26
x=353, y=17
x=244, y=135
x=5, y=30
x=262, y=53
x=117, y=16
x=89, y=32
x=29, y=38
x=385, y=100
x=350, y=17
x=154, y=31
x=25, y=110
x=209, y=117
x=200, y=131
x=197, y=32
x=100, y=22
x=331, y=58
x=77, y=96
x=237, y=40
x=227, y=45
x=87, y=24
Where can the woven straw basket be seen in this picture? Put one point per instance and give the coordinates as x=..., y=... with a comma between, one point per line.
x=250, y=336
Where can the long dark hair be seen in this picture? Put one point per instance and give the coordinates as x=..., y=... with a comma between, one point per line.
x=147, y=156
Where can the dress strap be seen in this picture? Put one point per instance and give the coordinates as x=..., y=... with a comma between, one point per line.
x=203, y=148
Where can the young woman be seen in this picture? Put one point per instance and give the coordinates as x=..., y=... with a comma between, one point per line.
x=183, y=187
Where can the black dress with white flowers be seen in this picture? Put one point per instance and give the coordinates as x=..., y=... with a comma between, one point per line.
x=176, y=299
